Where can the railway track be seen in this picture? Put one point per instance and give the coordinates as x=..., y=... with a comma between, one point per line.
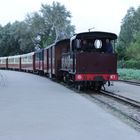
x=136, y=83
x=122, y=98
x=126, y=107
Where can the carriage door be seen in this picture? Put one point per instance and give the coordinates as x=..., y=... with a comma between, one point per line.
x=53, y=60
x=50, y=62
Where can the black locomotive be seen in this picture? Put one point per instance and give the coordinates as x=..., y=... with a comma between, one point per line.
x=88, y=62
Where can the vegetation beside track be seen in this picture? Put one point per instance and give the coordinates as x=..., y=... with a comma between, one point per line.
x=129, y=74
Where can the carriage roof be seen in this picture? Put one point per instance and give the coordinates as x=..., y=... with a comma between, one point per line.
x=97, y=34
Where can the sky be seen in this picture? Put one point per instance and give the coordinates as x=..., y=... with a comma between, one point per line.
x=101, y=15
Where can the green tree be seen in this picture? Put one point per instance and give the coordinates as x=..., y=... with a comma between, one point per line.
x=126, y=32
x=133, y=51
x=15, y=39
x=38, y=29
x=130, y=29
x=24, y=38
x=49, y=25
x=42, y=28
x=6, y=42
x=57, y=18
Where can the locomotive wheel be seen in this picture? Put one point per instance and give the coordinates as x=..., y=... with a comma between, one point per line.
x=77, y=86
x=98, y=88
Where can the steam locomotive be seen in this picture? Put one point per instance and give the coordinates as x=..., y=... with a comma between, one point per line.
x=82, y=60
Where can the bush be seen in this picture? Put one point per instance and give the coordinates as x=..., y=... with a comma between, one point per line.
x=130, y=64
x=129, y=74
x=121, y=64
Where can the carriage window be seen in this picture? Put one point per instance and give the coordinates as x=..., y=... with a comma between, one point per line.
x=78, y=43
x=75, y=45
x=98, y=44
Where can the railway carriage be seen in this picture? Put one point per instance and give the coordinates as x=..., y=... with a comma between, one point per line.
x=3, y=62
x=14, y=62
x=52, y=58
x=28, y=62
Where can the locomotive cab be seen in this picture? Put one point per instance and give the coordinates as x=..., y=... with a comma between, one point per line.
x=98, y=45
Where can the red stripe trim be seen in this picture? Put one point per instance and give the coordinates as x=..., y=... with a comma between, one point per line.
x=92, y=77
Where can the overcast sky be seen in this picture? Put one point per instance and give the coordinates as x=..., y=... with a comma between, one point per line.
x=103, y=15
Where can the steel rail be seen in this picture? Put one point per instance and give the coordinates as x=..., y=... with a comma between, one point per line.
x=122, y=98
x=136, y=83
x=131, y=102
x=114, y=108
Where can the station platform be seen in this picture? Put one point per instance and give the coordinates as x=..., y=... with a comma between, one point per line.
x=36, y=108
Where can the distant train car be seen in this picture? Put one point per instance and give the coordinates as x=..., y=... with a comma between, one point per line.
x=28, y=62
x=90, y=65
x=3, y=62
x=14, y=62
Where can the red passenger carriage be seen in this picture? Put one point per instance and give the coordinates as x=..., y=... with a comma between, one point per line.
x=14, y=62
x=3, y=62
x=28, y=62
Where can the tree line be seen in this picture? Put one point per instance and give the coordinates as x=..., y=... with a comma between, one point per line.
x=128, y=46
x=39, y=29
x=53, y=22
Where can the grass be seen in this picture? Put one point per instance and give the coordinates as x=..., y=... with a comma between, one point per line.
x=129, y=74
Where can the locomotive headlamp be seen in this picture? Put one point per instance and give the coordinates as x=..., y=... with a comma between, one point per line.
x=79, y=77
x=112, y=77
